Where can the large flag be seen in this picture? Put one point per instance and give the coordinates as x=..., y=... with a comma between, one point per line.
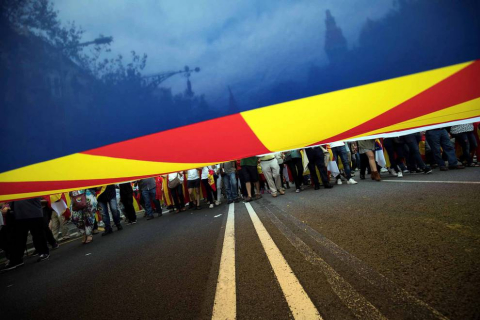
x=413, y=66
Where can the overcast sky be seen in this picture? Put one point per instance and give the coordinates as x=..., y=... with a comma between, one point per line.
x=237, y=43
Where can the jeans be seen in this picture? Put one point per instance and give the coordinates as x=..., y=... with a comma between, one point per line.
x=115, y=214
x=468, y=143
x=439, y=138
x=230, y=180
x=414, y=153
x=148, y=197
x=317, y=160
x=342, y=152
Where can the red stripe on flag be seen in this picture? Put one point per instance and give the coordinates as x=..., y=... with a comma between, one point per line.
x=216, y=140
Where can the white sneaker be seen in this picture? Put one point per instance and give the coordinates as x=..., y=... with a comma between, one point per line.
x=217, y=203
x=399, y=174
x=211, y=205
x=339, y=181
x=392, y=172
x=351, y=181
x=383, y=170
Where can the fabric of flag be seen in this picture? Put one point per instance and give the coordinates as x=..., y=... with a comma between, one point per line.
x=332, y=165
x=211, y=180
x=379, y=154
x=428, y=99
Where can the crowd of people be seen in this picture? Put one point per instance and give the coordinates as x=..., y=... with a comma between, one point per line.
x=245, y=180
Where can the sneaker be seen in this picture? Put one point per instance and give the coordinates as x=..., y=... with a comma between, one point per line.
x=328, y=186
x=339, y=181
x=427, y=170
x=406, y=171
x=392, y=172
x=148, y=218
x=217, y=203
x=134, y=222
x=297, y=191
x=399, y=174
x=12, y=266
x=56, y=246
x=419, y=171
x=351, y=181
x=211, y=206
x=43, y=256
x=107, y=232
x=383, y=170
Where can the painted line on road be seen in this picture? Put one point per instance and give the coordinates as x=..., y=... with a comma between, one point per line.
x=357, y=303
x=225, y=305
x=298, y=301
x=400, y=296
x=431, y=181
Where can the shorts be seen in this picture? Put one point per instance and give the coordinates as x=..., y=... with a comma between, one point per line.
x=250, y=173
x=192, y=184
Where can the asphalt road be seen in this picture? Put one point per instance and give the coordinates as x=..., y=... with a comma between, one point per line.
x=395, y=250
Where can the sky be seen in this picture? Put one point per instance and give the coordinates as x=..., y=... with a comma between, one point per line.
x=246, y=45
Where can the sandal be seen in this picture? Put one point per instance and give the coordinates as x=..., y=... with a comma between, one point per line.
x=88, y=239
x=84, y=239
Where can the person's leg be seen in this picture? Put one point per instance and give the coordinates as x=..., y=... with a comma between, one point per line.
x=219, y=187
x=115, y=214
x=228, y=181
x=293, y=170
x=448, y=148
x=342, y=151
x=281, y=175
x=197, y=196
x=412, y=143
x=127, y=201
x=433, y=139
x=20, y=233
x=147, y=204
x=56, y=225
x=363, y=164
x=37, y=229
x=267, y=172
x=105, y=215
x=64, y=228
x=233, y=186
x=335, y=154
x=371, y=160
x=192, y=196
x=462, y=139
x=388, y=145
x=322, y=169
x=180, y=196
x=299, y=165
x=208, y=189
x=473, y=144
x=174, y=193
x=276, y=175
x=313, y=173
x=153, y=196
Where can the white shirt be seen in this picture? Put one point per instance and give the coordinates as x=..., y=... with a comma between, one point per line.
x=337, y=144
x=205, y=171
x=172, y=176
x=192, y=174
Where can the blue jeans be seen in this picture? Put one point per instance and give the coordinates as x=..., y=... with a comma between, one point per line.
x=106, y=217
x=439, y=138
x=148, y=197
x=342, y=152
x=230, y=180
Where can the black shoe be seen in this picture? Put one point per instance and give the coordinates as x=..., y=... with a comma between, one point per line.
x=43, y=256
x=316, y=187
x=119, y=227
x=427, y=170
x=443, y=168
x=107, y=232
x=56, y=246
x=197, y=208
x=12, y=266
x=150, y=217
x=328, y=186
x=236, y=200
x=362, y=176
x=417, y=171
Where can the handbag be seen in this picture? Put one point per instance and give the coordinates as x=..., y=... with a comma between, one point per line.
x=79, y=202
x=174, y=183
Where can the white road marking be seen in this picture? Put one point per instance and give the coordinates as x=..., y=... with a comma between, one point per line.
x=88, y=254
x=429, y=181
x=225, y=306
x=298, y=301
x=218, y=215
x=357, y=303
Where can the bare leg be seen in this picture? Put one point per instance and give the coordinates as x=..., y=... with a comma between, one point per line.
x=371, y=160
x=249, y=188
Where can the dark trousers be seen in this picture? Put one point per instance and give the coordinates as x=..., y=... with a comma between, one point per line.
x=296, y=167
x=395, y=153
x=281, y=174
x=316, y=160
x=211, y=194
x=415, y=159
x=243, y=187
x=127, y=200
x=47, y=216
x=177, y=195
x=36, y=226
x=468, y=143
x=438, y=138
x=365, y=165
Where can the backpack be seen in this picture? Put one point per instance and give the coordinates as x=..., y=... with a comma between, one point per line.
x=79, y=202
